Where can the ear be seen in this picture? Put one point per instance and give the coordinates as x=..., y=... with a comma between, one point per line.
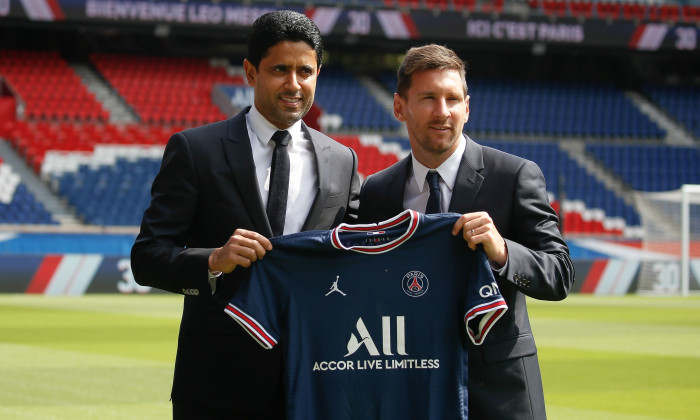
x=466, y=105
x=399, y=107
x=251, y=73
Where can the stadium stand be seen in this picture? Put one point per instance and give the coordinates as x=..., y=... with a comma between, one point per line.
x=48, y=88
x=556, y=109
x=104, y=170
x=680, y=102
x=339, y=92
x=17, y=204
x=165, y=90
x=650, y=167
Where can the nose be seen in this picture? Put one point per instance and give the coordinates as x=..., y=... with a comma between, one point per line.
x=293, y=81
x=441, y=109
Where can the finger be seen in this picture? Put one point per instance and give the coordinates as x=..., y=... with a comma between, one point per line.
x=254, y=236
x=457, y=227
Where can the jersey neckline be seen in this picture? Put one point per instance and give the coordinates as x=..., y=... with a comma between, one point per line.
x=409, y=217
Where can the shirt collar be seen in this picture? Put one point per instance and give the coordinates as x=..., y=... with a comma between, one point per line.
x=447, y=170
x=264, y=129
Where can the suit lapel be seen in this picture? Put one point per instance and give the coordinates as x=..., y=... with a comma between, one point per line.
x=395, y=185
x=469, y=180
x=240, y=157
x=322, y=153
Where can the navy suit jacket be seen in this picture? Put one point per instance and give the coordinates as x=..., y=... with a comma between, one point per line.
x=504, y=374
x=206, y=189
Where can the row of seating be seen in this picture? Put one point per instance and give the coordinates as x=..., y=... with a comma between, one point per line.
x=17, y=204
x=681, y=11
x=116, y=191
x=48, y=88
x=339, y=92
x=165, y=90
x=583, y=107
x=182, y=96
x=680, y=102
x=650, y=167
x=33, y=139
x=617, y=10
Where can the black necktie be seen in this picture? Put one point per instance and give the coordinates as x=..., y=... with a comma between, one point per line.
x=435, y=195
x=279, y=183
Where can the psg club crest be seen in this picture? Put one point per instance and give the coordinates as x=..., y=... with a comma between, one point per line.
x=414, y=283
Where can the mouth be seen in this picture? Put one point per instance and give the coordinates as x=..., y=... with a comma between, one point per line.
x=440, y=127
x=291, y=100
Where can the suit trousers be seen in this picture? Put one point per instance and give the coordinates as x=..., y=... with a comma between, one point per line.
x=199, y=412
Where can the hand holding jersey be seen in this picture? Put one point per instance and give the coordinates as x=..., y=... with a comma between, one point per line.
x=478, y=228
x=243, y=248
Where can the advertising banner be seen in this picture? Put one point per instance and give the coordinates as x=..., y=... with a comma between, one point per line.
x=388, y=24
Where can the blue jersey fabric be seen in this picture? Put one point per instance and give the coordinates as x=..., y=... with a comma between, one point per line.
x=374, y=320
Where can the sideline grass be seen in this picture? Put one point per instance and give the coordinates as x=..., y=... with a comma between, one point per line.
x=621, y=358
x=93, y=357
x=111, y=357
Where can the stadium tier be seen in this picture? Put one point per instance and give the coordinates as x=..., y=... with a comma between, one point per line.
x=165, y=90
x=103, y=170
x=49, y=89
x=604, y=9
x=680, y=102
x=339, y=92
x=651, y=167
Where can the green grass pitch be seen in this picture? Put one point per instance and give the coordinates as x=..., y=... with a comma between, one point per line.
x=111, y=357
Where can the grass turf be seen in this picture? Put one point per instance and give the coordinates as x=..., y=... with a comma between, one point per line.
x=111, y=356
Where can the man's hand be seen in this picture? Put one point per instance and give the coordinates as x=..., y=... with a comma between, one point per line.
x=243, y=248
x=478, y=228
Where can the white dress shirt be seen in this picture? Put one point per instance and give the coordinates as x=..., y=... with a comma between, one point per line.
x=302, y=171
x=417, y=190
x=302, y=167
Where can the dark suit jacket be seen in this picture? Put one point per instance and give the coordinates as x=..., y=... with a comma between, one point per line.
x=504, y=375
x=205, y=190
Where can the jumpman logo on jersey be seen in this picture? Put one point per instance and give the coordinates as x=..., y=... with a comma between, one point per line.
x=334, y=287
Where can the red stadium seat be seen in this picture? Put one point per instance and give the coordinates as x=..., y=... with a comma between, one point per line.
x=691, y=14
x=669, y=12
x=582, y=9
x=608, y=10
x=492, y=6
x=468, y=5
x=634, y=11
x=436, y=4
x=409, y=4
x=555, y=8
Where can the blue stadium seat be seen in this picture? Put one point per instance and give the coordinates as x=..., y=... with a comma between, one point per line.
x=650, y=167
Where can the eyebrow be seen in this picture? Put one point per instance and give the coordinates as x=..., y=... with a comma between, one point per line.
x=287, y=67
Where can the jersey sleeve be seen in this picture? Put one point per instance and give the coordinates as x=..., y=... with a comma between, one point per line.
x=485, y=305
x=255, y=307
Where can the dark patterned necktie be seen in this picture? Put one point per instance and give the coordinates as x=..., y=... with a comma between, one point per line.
x=279, y=183
x=435, y=194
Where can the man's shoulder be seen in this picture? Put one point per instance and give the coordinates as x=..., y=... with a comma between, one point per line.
x=388, y=172
x=207, y=129
x=492, y=155
x=324, y=139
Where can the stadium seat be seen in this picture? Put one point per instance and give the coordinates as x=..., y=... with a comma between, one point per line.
x=634, y=11
x=581, y=9
x=607, y=10
x=556, y=8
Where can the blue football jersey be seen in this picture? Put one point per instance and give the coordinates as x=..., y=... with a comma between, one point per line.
x=374, y=320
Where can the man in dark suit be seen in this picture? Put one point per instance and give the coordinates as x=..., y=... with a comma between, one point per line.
x=504, y=208
x=207, y=220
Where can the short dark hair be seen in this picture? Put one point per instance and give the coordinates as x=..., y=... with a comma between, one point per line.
x=428, y=57
x=278, y=26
